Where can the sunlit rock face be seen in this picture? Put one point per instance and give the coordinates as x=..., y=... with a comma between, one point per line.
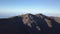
x=48, y=23
x=31, y=24
x=57, y=19
x=30, y=20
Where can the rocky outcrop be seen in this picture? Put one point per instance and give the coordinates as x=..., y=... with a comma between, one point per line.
x=30, y=24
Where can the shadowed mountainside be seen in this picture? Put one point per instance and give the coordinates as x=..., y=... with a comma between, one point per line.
x=30, y=24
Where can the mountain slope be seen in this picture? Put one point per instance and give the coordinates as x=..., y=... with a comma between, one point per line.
x=30, y=24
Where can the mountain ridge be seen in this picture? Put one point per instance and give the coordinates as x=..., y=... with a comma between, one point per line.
x=30, y=24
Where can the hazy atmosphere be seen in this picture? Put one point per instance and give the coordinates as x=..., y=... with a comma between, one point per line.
x=10, y=8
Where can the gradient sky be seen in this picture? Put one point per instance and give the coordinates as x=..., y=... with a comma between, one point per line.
x=10, y=8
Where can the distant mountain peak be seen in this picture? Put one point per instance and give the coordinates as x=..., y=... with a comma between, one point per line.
x=31, y=24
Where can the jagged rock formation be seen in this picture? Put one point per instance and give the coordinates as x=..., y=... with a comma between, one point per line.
x=30, y=24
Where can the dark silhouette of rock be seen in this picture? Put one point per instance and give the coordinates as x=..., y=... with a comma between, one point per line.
x=29, y=24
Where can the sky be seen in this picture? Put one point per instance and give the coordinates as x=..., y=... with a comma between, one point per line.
x=10, y=8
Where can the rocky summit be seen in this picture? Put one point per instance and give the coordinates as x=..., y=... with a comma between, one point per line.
x=30, y=24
